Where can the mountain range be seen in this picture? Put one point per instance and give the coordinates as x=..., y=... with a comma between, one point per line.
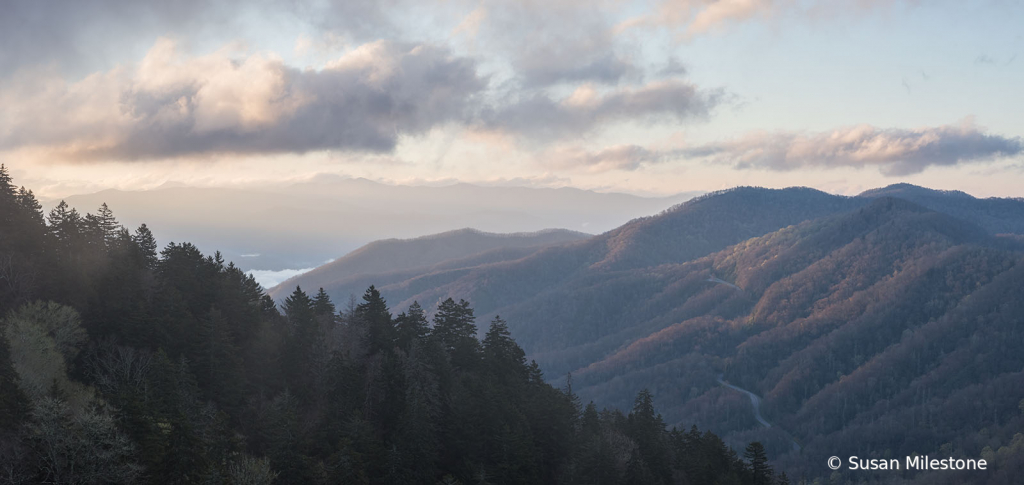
x=393, y=260
x=884, y=324
x=301, y=225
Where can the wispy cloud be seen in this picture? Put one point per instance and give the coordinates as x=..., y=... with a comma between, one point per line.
x=894, y=151
x=617, y=157
x=693, y=18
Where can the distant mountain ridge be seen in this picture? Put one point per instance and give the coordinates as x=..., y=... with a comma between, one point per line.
x=300, y=225
x=994, y=214
x=405, y=256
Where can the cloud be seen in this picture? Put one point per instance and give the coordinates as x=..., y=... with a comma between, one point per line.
x=717, y=13
x=617, y=157
x=540, y=117
x=692, y=18
x=171, y=105
x=544, y=69
x=895, y=151
x=270, y=278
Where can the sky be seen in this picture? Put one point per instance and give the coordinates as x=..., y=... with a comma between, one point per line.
x=645, y=97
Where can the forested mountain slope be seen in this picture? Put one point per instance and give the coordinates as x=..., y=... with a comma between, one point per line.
x=865, y=321
x=863, y=332
x=996, y=215
x=538, y=284
x=355, y=271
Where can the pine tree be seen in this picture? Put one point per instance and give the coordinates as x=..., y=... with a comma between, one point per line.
x=22, y=242
x=108, y=225
x=65, y=226
x=147, y=246
x=304, y=333
x=760, y=470
x=374, y=315
x=411, y=326
x=8, y=193
x=647, y=428
x=322, y=304
x=455, y=330
x=299, y=308
x=30, y=205
x=503, y=354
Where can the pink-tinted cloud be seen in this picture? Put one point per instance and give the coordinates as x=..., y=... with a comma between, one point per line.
x=895, y=151
x=171, y=104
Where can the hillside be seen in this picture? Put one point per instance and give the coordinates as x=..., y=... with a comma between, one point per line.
x=536, y=287
x=996, y=215
x=852, y=329
x=835, y=294
x=406, y=258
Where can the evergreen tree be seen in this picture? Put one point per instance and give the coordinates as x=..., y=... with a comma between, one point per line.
x=303, y=339
x=761, y=471
x=373, y=314
x=7, y=187
x=108, y=225
x=456, y=332
x=147, y=246
x=411, y=326
x=65, y=226
x=31, y=206
x=648, y=429
x=503, y=354
x=23, y=236
x=322, y=304
x=299, y=309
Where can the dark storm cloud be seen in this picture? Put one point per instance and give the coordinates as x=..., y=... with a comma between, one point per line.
x=894, y=151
